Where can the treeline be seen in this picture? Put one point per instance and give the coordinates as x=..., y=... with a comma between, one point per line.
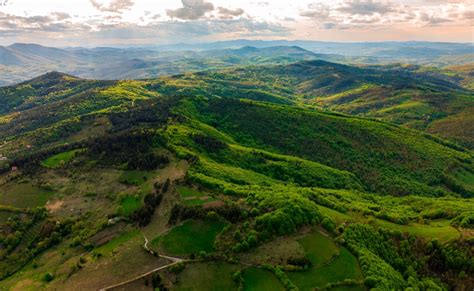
x=232, y=213
x=143, y=215
x=133, y=149
x=392, y=260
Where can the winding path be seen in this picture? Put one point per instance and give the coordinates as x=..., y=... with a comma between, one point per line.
x=174, y=261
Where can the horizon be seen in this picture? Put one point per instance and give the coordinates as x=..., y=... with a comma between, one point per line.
x=126, y=46
x=141, y=22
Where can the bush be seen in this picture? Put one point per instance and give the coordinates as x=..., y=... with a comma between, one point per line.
x=48, y=277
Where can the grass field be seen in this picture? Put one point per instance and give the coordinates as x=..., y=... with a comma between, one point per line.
x=60, y=159
x=129, y=204
x=207, y=276
x=117, y=241
x=192, y=196
x=440, y=229
x=466, y=178
x=318, y=248
x=345, y=266
x=135, y=178
x=24, y=195
x=258, y=279
x=192, y=236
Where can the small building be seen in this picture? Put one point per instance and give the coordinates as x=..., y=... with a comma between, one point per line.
x=14, y=168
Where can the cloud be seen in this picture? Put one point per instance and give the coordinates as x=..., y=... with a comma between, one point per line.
x=116, y=6
x=469, y=15
x=229, y=12
x=431, y=19
x=317, y=11
x=60, y=15
x=366, y=7
x=191, y=10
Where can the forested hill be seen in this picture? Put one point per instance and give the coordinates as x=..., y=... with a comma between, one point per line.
x=439, y=102
x=232, y=168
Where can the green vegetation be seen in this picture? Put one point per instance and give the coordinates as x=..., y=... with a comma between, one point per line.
x=202, y=276
x=61, y=159
x=262, y=165
x=24, y=195
x=193, y=197
x=129, y=204
x=135, y=178
x=318, y=248
x=259, y=279
x=192, y=237
x=329, y=264
x=117, y=241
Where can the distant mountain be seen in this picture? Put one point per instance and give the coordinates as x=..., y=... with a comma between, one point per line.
x=410, y=52
x=19, y=62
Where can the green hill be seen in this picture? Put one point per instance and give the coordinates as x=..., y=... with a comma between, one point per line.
x=265, y=170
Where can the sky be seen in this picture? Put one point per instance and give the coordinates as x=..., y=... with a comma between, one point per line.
x=145, y=22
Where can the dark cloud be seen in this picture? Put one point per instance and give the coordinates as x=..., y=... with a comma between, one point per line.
x=366, y=7
x=191, y=10
x=116, y=6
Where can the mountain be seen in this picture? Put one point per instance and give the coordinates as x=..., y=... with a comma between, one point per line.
x=413, y=96
x=234, y=174
x=415, y=52
x=22, y=61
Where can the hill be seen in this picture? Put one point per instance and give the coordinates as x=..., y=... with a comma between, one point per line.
x=417, y=97
x=22, y=61
x=202, y=175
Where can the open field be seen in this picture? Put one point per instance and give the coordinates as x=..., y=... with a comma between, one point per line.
x=192, y=196
x=318, y=248
x=192, y=236
x=24, y=195
x=258, y=279
x=129, y=204
x=60, y=159
x=207, y=276
x=344, y=266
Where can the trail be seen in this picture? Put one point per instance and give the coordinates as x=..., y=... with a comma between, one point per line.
x=174, y=261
